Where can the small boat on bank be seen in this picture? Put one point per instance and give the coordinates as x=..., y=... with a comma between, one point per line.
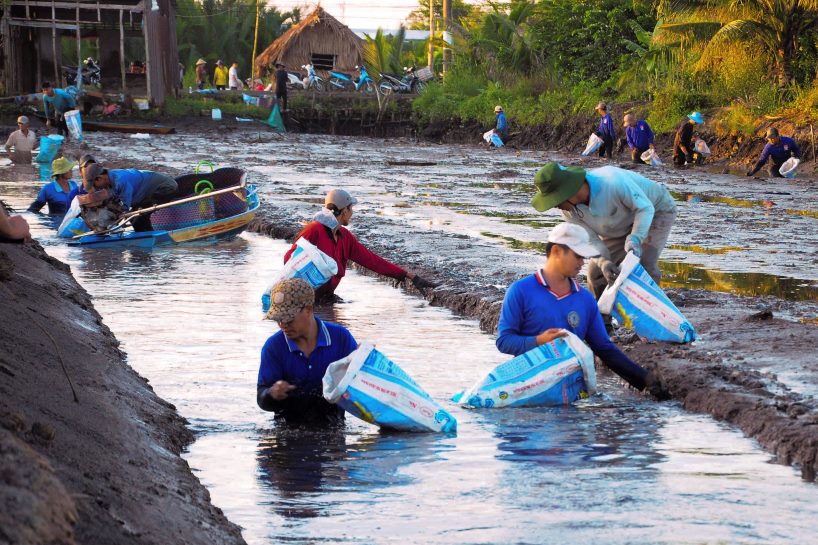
x=114, y=126
x=209, y=207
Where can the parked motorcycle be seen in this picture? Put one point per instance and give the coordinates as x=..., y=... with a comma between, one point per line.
x=340, y=81
x=313, y=80
x=295, y=80
x=409, y=83
x=91, y=74
x=364, y=81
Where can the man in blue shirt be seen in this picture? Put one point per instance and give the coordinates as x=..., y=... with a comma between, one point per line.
x=501, y=128
x=639, y=136
x=294, y=360
x=537, y=308
x=59, y=193
x=779, y=149
x=55, y=103
x=605, y=130
x=135, y=188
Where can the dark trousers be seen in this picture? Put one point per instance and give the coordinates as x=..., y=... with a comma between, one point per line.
x=58, y=121
x=636, y=155
x=606, y=149
x=281, y=98
x=679, y=156
x=221, y=87
x=162, y=189
x=775, y=168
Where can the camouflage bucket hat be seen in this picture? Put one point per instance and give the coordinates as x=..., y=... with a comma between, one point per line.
x=287, y=299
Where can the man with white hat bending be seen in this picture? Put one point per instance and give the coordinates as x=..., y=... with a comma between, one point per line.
x=541, y=307
x=328, y=232
x=23, y=140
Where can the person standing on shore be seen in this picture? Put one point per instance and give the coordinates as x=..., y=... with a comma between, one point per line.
x=59, y=193
x=23, y=140
x=235, y=81
x=329, y=234
x=779, y=149
x=201, y=74
x=639, y=136
x=683, y=152
x=58, y=101
x=281, y=78
x=501, y=125
x=294, y=360
x=621, y=210
x=605, y=130
x=541, y=307
x=220, y=76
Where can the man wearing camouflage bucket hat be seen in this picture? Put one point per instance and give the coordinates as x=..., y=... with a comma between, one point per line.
x=294, y=360
x=621, y=210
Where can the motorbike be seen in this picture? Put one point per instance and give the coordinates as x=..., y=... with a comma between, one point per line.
x=313, y=80
x=295, y=80
x=409, y=83
x=91, y=74
x=364, y=81
x=342, y=81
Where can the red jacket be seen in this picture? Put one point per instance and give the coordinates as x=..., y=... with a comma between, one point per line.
x=342, y=250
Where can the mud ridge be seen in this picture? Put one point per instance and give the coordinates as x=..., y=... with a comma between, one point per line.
x=726, y=373
x=106, y=467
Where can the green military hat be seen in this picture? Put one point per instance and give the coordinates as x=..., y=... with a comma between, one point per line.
x=555, y=185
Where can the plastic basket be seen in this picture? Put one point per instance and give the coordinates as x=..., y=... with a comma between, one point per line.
x=425, y=74
x=789, y=167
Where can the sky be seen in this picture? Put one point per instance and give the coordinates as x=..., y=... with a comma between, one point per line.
x=359, y=14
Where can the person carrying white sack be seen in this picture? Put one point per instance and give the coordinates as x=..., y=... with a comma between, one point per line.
x=541, y=307
x=621, y=210
x=328, y=233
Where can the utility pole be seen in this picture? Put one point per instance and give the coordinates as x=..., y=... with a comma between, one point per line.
x=447, y=35
x=431, y=59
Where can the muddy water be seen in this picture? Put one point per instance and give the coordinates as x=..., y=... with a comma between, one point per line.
x=616, y=465
x=619, y=464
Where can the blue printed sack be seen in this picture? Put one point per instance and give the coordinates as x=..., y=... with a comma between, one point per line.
x=72, y=224
x=555, y=373
x=74, y=123
x=639, y=304
x=368, y=385
x=307, y=262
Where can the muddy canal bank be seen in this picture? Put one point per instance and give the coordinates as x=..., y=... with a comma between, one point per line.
x=106, y=467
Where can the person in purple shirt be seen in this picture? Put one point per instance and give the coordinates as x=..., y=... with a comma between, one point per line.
x=779, y=149
x=541, y=307
x=639, y=136
x=294, y=360
x=605, y=130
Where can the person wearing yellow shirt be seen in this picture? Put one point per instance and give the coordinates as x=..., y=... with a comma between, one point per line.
x=220, y=76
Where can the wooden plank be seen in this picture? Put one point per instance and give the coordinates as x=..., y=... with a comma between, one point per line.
x=42, y=24
x=81, y=5
x=148, y=64
x=54, y=44
x=122, y=52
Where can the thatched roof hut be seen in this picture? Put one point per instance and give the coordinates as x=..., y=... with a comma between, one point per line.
x=320, y=39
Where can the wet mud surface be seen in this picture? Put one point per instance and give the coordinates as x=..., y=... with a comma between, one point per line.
x=460, y=215
x=103, y=467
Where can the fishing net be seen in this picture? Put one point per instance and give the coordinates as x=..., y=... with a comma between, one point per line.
x=184, y=215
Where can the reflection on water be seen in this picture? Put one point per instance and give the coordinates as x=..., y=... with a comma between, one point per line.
x=685, y=275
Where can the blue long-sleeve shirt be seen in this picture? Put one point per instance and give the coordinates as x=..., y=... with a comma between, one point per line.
x=530, y=307
x=780, y=152
x=281, y=359
x=61, y=102
x=606, y=127
x=52, y=194
x=502, y=123
x=640, y=136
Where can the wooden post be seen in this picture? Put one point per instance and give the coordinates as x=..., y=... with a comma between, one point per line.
x=447, y=22
x=54, y=43
x=812, y=137
x=122, y=52
x=145, y=12
x=79, y=49
x=431, y=56
x=255, y=44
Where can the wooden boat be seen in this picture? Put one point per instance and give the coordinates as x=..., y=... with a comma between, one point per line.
x=113, y=126
x=210, y=207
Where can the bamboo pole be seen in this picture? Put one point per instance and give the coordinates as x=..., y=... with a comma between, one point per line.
x=54, y=44
x=145, y=13
x=122, y=52
x=79, y=81
x=447, y=25
x=431, y=56
x=253, y=75
x=812, y=137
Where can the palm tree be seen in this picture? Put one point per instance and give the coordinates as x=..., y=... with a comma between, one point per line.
x=384, y=52
x=657, y=57
x=780, y=27
x=502, y=39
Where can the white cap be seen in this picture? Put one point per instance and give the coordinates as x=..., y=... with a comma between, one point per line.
x=498, y=109
x=573, y=236
x=340, y=198
x=22, y=119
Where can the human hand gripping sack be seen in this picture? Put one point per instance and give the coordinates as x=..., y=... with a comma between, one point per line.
x=610, y=271
x=632, y=244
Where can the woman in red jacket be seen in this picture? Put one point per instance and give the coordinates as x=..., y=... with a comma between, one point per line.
x=329, y=234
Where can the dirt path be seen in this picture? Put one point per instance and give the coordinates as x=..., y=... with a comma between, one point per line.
x=106, y=467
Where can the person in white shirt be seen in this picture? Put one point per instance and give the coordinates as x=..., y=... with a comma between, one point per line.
x=23, y=140
x=233, y=73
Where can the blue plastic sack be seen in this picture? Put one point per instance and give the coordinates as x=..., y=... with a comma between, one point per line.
x=249, y=99
x=555, y=373
x=639, y=304
x=307, y=262
x=368, y=385
x=49, y=147
x=72, y=224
